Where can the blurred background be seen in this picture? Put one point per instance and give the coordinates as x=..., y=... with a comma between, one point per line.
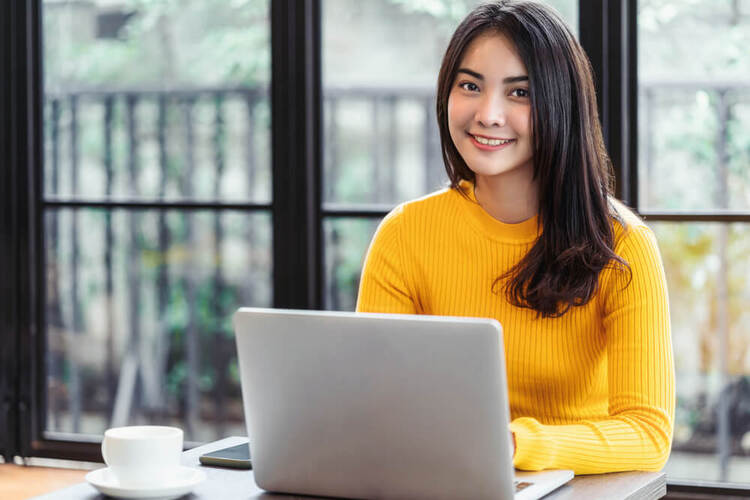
x=166, y=101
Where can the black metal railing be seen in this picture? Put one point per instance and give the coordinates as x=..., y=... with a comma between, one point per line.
x=136, y=385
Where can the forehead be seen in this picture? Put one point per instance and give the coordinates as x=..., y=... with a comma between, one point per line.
x=491, y=54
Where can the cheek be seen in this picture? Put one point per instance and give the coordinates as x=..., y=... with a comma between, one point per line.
x=456, y=112
x=454, y=121
x=451, y=111
x=522, y=122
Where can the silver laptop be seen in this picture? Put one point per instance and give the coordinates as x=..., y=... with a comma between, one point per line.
x=379, y=406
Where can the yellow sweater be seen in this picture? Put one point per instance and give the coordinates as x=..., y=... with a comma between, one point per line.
x=591, y=391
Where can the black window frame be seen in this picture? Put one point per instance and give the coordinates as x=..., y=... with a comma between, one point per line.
x=295, y=207
x=20, y=133
x=608, y=33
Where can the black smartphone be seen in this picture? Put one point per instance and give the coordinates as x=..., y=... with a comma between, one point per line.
x=237, y=457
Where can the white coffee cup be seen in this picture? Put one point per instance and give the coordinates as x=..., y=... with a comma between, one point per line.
x=142, y=455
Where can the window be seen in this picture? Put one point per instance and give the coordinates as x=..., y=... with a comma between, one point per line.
x=694, y=188
x=156, y=208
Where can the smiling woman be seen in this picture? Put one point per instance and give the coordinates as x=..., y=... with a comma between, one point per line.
x=530, y=234
x=489, y=110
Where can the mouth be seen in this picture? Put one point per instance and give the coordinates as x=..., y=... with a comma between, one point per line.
x=490, y=143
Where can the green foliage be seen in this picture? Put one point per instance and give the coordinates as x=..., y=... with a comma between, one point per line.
x=693, y=39
x=346, y=244
x=164, y=43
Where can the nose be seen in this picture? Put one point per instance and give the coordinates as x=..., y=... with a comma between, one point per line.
x=490, y=112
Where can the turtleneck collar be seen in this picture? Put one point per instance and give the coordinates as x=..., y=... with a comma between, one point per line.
x=523, y=232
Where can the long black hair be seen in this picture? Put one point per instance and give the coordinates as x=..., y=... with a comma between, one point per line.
x=571, y=164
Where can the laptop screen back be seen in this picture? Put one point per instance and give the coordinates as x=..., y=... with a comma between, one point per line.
x=375, y=405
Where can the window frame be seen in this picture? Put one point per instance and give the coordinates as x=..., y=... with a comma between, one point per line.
x=295, y=208
x=20, y=146
x=612, y=46
x=608, y=33
x=8, y=316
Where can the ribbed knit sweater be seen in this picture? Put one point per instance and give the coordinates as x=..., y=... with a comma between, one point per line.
x=592, y=390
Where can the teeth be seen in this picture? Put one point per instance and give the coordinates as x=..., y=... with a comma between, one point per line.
x=491, y=142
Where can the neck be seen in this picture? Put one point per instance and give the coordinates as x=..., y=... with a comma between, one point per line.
x=511, y=197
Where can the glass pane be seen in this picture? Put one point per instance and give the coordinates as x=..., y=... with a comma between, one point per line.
x=150, y=295
x=346, y=242
x=694, y=104
x=163, y=100
x=709, y=290
x=381, y=139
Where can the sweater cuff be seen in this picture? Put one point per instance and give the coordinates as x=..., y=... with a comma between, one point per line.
x=534, y=451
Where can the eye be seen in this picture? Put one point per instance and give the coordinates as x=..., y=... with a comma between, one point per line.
x=520, y=92
x=470, y=86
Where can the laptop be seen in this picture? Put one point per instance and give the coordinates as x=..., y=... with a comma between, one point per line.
x=363, y=405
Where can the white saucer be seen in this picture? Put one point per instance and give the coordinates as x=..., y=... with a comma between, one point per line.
x=182, y=483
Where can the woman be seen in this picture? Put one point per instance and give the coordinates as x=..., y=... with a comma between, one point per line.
x=530, y=234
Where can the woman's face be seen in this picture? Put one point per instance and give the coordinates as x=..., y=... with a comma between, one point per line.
x=489, y=109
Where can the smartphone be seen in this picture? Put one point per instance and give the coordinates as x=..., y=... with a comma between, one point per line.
x=237, y=457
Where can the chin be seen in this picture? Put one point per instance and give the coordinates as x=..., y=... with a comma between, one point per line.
x=492, y=171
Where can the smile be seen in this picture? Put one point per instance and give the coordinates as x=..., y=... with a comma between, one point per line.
x=490, y=144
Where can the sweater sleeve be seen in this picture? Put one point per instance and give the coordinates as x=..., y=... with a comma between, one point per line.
x=637, y=433
x=383, y=287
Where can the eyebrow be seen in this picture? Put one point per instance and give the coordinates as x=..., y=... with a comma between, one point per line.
x=479, y=76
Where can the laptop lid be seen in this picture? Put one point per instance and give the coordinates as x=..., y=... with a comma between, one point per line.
x=375, y=405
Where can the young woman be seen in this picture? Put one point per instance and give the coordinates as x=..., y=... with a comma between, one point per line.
x=530, y=234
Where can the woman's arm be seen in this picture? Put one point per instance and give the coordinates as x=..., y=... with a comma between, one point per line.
x=383, y=287
x=637, y=434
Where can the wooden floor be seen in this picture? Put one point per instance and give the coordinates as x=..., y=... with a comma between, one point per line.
x=19, y=483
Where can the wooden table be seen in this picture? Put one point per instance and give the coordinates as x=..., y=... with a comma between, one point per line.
x=18, y=482
x=237, y=484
